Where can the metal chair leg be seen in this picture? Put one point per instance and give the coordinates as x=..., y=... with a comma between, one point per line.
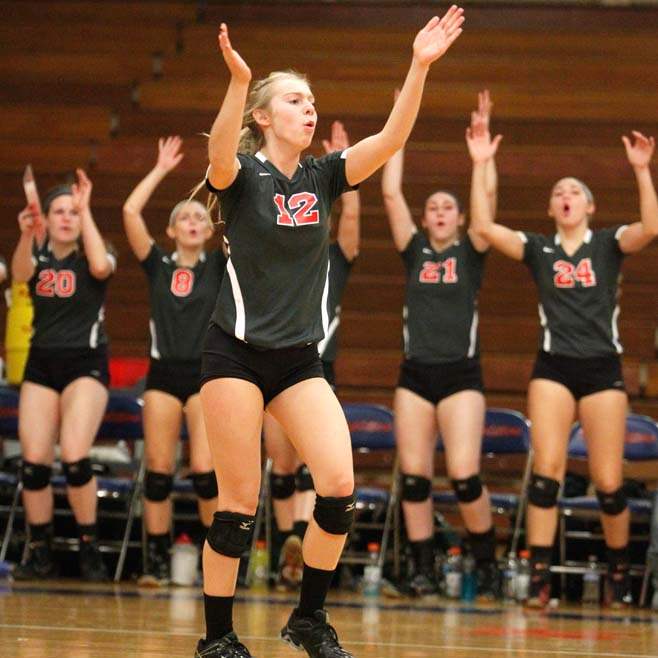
x=10, y=521
x=132, y=509
x=261, y=514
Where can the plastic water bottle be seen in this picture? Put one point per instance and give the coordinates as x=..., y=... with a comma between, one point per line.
x=259, y=566
x=523, y=576
x=184, y=561
x=509, y=577
x=591, y=583
x=372, y=573
x=454, y=573
x=469, y=583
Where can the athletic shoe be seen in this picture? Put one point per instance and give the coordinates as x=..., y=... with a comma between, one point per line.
x=39, y=564
x=291, y=565
x=488, y=581
x=313, y=635
x=618, y=589
x=416, y=586
x=539, y=593
x=157, y=572
x=226, y=647
x=92, y=567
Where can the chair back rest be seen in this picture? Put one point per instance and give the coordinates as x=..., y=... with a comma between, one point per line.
x=370, y=425
x=122, y=419
x=8, y=413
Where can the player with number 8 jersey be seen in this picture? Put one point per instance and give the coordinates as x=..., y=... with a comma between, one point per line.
x=578, y=369
x=261, y=350
x=183, y=287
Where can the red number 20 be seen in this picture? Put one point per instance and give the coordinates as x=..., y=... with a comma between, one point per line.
x=53, y=283
x=566, y=274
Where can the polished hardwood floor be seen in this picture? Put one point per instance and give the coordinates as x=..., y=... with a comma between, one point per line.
x=65, y=619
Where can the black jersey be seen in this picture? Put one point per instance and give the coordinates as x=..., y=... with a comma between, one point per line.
x=339, y=271
x=68, y=301
x=182, y=300
x=275, y=294
x=578, y=294
x=440, y=313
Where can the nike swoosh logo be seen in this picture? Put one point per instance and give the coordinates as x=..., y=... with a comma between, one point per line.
x=426, y=250
x=262, y=174
x=548, y=250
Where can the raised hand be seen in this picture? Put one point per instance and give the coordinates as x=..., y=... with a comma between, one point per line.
x=640, y=151
x=236, y=65
x=169, y=153
x=438, y=35
x=481, y=117
x=480, y=145
x=339, y=140
x=81, y=191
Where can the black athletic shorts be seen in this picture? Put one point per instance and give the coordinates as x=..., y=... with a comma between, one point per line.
x=273, y=371
x=56, y=369
x=581, y=376
x=329, y=373
x=436, y=381
x=178, y=378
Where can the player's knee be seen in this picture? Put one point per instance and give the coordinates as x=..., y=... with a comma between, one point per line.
x=335, y=515
x=468, y=489
x=303, y=479
x=78, y=473
x=35, y=476
x=205, y=485
x=415, y=488
x=157, y=486
x=543, y=491
x=230, y=533
x=612, y=502
x=282, y=486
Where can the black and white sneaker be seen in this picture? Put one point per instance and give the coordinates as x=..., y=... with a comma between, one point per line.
x=488, y=581
x=92, y=567
x=618, y=593
x=226, y=647
x=157, y=572
x=40, y=563
x=314, y=635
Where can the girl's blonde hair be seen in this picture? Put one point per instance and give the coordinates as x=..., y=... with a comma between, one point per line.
x=251, y=136
x=181, y=204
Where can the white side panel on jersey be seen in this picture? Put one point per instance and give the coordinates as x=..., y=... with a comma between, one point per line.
x=155, y=353
x=322, y=345
x=473, y=335
x=615, y=330
x=547, y=332
x=405, y=329
x=93, y=334
x=240, y=318
x=325, y=302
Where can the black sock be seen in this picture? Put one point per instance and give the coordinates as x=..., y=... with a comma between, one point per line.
x=540, y=557
x=299, y=529
x=284, y=534
x=160, y=541
x=423, y=555
x=618, y=559
x=219, y=616
x=87, y=532
x=41, y=532
x=315, y=586
x=483, y=545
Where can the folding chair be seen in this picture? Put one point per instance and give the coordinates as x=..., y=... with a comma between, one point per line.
x=640, y=463
x=506, y=458
x=8, y=430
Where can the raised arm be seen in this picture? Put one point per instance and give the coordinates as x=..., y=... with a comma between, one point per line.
x=430, y=43
x=480, y=120
x=139, y=238
x=482, y=148
x=22, y=265
x=3, y=270
x=640, y=234
x=349, y=223
x=225, y=132
x=399, y=216
x=100, y=263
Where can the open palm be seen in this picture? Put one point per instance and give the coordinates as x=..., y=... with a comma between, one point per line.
x=640, y=151
x=438, y=35
x=480, y=146
x=81, y=191
x=339, y=140
x=236, y=65
x=169, y=153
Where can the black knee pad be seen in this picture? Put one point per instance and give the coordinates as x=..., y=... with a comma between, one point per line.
x=78, y=473
x=282, y=486
x=334, y=515
x=467, y=490
x=612, y=503
x=35, y=476
x=303, y=479
x=205, y=485
x=543, y=491
x=230, y=533
x=157, y=486
x=415, y=488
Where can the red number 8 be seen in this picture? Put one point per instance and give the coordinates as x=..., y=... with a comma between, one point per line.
x=182, y=282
